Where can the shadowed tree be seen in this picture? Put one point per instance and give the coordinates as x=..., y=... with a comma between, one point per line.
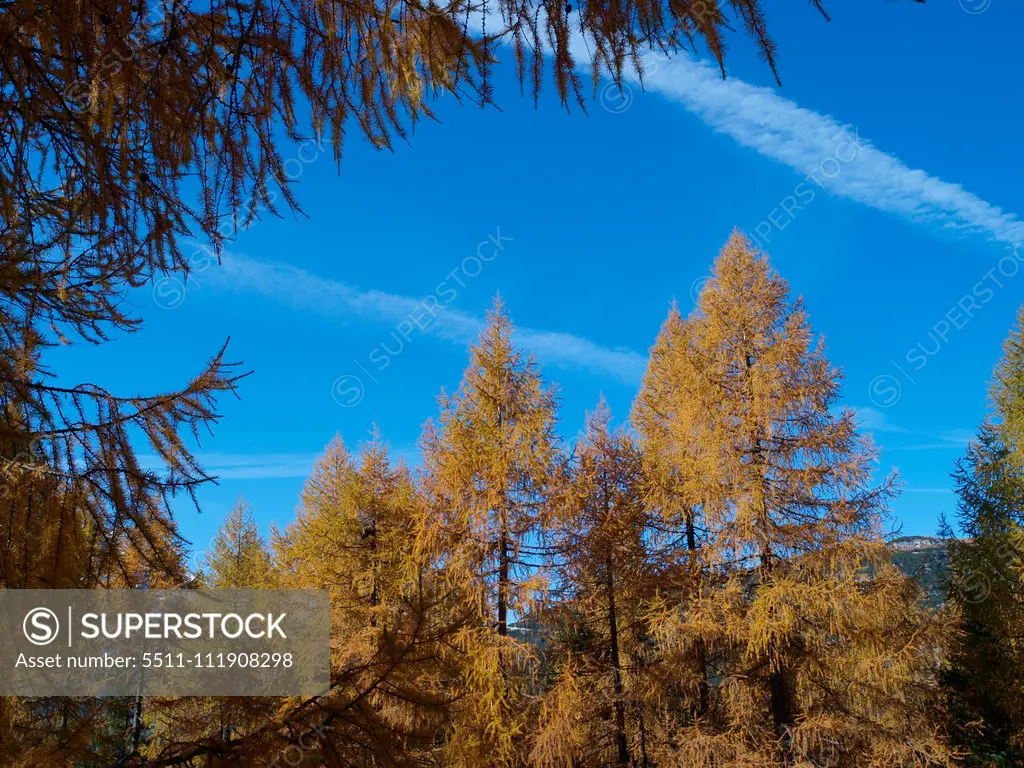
x=985, y=674
x=984, y=679
x=51, y=543
x=599, y=533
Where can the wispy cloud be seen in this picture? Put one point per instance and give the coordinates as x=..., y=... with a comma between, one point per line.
x=567, y=350
x=947, y=446
x=761, y=119
x=755, y=117
x=230, y=466
x=247, y=466
x=872, y=420
x=309, y=292
x=306, y=291
x=951, y=440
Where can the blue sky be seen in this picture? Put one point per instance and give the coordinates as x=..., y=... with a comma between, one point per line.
x=881, y=179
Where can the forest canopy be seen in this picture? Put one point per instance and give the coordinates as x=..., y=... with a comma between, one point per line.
x=129, y=127
x=706, y=584
x=706, y=581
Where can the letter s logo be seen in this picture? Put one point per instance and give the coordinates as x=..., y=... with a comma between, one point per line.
x=40, y=626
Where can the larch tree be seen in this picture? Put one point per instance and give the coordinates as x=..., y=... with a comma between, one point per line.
x=238, y=558
x=390, y=680
x=130, y=128
x=103, y=177
x=675, y=484
x=51, y=543
x=353, y=534
x=488, y=465
x=47, y=540
x=599, y=532
x=985, y=675
x=99, y=89
x=822, y=653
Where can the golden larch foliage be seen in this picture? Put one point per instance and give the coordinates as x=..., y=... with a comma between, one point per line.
x=488, y=467
x=817, y=649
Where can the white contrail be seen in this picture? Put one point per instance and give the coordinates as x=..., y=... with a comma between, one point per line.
x=310, y=292
x=762, y=120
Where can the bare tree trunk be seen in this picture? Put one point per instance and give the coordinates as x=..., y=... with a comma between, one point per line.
x=503, y=577
x=620, y=708
x=642, y=728
x=703, y=689
x=778, y=686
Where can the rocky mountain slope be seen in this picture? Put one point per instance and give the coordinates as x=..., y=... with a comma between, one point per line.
x=925, y=559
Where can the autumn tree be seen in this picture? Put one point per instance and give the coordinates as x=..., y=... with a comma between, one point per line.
x=1008, y=391
x=675, y=485
x=51, y=543
x=820, y=651
x=985, y=675
x=129, y=128
x=390, y=683
x=92, y=733
x=488, y=465
x=47, y=540
x=238, y=557
x=100, y=89
x=599, y=532
x=352, y=533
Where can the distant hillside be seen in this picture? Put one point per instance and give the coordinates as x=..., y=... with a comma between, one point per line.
x=924, y=558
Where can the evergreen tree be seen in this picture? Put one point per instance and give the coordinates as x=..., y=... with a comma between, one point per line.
x=984, y=679
x=1008, y=391
x=985, y=675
